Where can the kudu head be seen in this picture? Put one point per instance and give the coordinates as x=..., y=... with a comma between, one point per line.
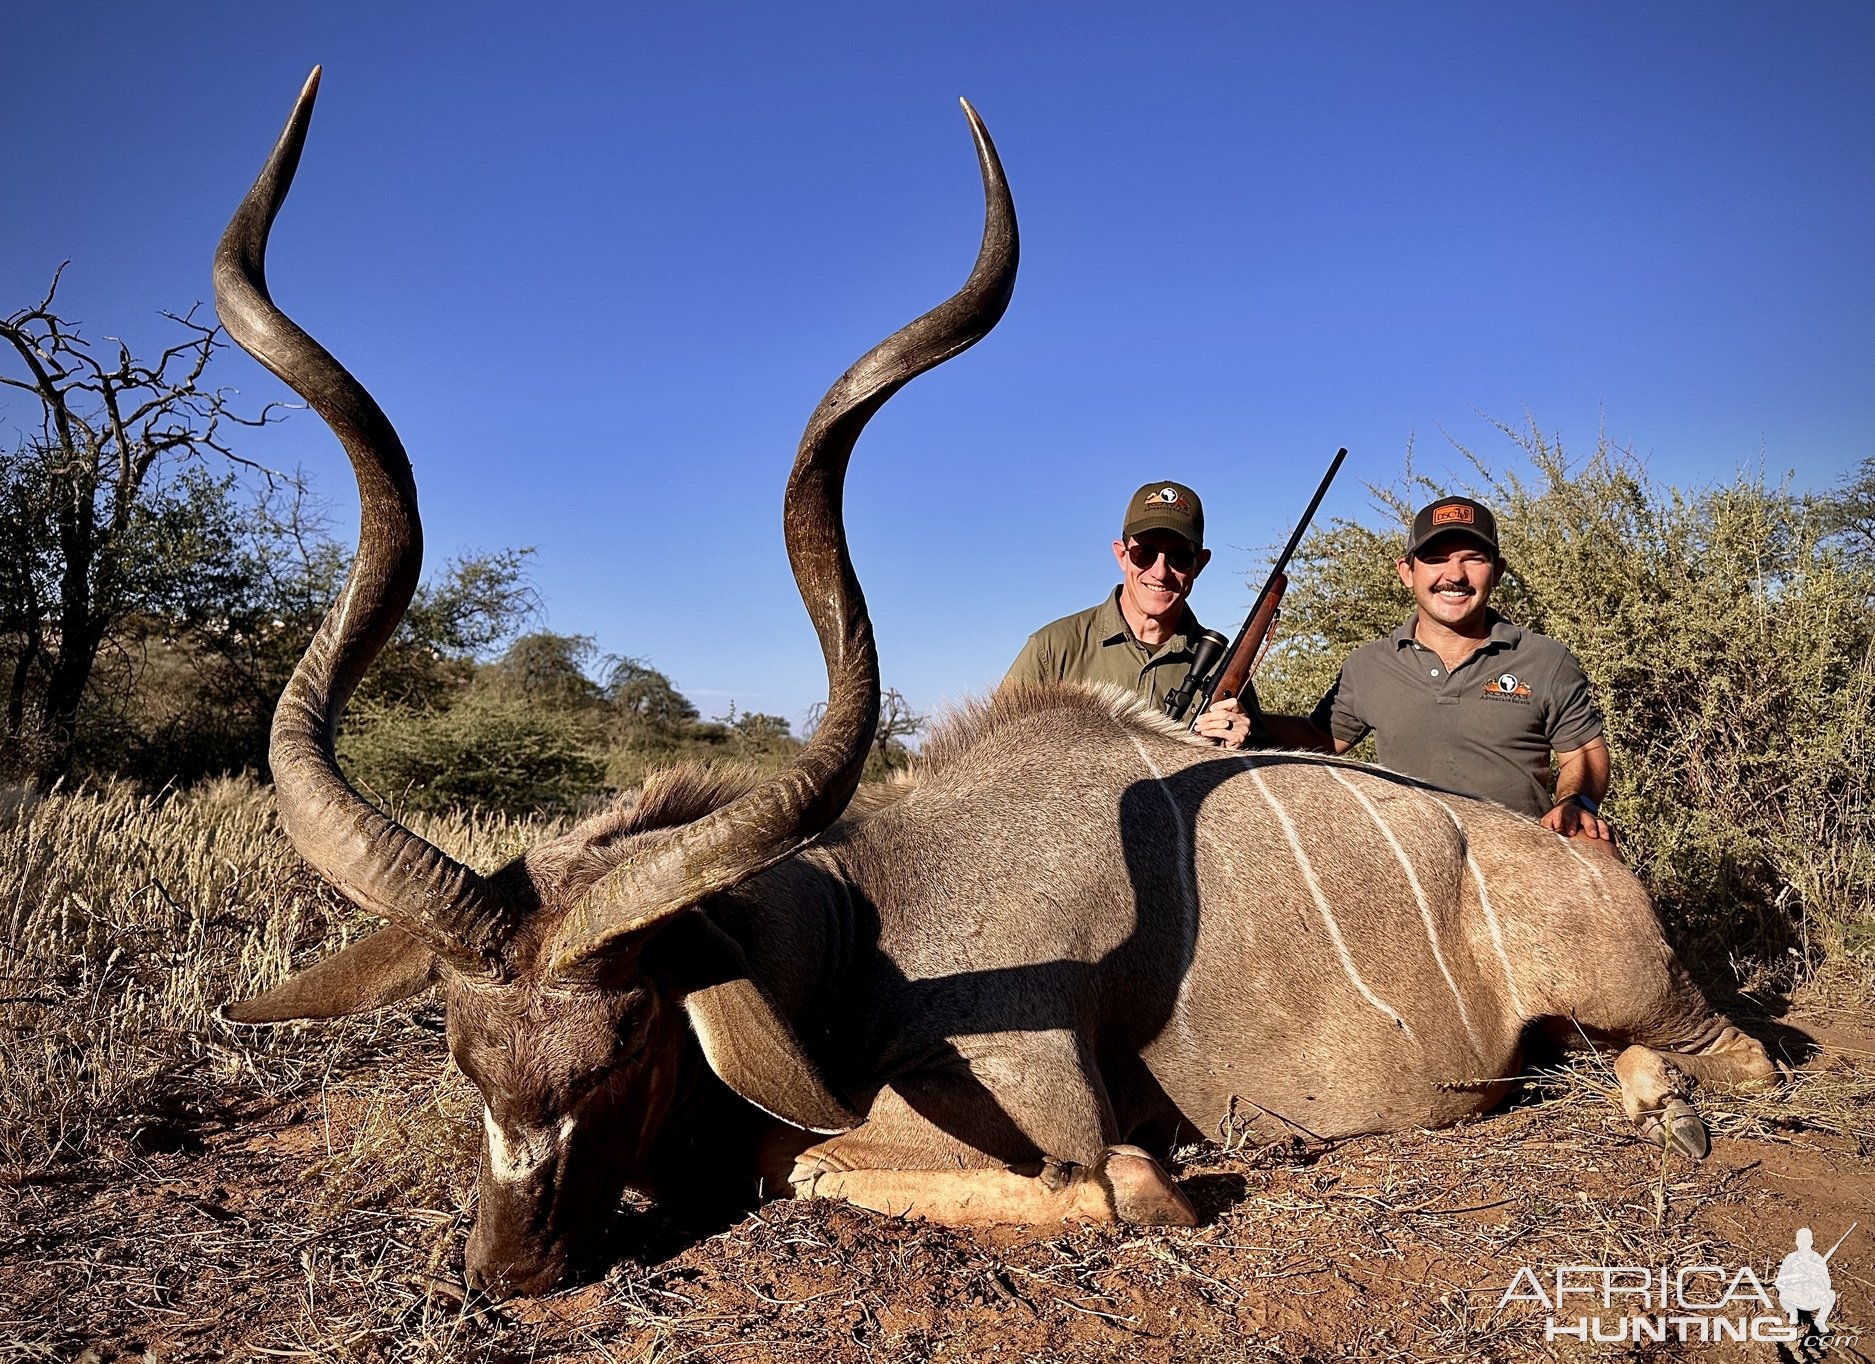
x=575, y=978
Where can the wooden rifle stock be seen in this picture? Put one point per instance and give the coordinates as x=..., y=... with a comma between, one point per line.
x=1241, y=662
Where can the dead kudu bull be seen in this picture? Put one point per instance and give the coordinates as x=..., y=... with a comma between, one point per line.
x=1071, y=930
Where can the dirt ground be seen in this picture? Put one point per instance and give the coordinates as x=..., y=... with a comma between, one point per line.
x=221, y=1225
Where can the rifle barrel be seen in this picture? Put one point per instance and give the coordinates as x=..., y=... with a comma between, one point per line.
x=1315, y=503
x=1208, y=688
x=1302, y=527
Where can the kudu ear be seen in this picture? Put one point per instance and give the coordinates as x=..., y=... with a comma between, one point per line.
x=746, y=1042
x=381, y=969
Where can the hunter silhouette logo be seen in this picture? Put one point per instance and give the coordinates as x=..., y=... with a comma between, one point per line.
x=1687, y=1303
x=1802, y=1281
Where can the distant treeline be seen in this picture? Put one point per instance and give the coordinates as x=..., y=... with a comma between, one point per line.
x=156, y=590
x=466, y=706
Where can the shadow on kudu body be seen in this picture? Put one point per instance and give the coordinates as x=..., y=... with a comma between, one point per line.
x=972, y=995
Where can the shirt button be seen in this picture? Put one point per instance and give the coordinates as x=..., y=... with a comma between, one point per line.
x=1435, y=672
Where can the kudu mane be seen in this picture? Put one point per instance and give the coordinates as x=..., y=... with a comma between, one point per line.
x=574, y=861
x=965, y=730
x=979, y=721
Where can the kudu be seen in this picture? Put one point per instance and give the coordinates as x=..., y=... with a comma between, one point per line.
x=1073, y=929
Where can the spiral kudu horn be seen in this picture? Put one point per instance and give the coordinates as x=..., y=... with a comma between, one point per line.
x=771, y=821
x=376, y=862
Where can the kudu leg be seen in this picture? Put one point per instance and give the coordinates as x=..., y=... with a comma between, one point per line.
x=961, y=1146
x=1125, y=1185
x=1656, y=1085
x=1634, y=993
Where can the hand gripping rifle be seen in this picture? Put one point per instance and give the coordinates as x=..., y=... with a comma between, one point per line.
x=1215, y=678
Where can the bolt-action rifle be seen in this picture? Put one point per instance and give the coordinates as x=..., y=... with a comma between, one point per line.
x=1219, y=671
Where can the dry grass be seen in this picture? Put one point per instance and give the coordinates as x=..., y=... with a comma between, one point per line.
x=176, y=1189
x=127, y=920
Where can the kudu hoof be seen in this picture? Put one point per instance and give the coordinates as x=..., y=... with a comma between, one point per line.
x=1142, y=1192
x=1678, y=1127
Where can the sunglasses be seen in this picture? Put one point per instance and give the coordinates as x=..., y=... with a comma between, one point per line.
x=1179, y=559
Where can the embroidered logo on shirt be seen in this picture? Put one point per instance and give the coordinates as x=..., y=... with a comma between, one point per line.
x=1456, y=515
x=1508, y=687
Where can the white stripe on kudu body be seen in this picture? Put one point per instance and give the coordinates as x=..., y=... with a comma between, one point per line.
x=1595, y=872
x=1322, y=906
x=1490, y=915
x=509, y=1161
x=1419, y=898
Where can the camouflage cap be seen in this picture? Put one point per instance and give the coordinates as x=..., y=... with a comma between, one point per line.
x=1165, y=506
x=1453, y=516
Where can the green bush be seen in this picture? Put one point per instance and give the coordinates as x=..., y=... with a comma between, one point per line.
x=635, y=749
x=531, y=733
x=488, y=750
x=1729, y=633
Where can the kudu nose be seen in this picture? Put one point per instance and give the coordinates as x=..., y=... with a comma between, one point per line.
x=498, y=1273
x=498, y=1282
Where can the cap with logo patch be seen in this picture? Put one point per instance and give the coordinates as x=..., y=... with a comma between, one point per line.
x=1165, y=506
x=1453, y=516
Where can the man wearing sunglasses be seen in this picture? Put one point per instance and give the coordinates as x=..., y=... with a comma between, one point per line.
x=1140, y=638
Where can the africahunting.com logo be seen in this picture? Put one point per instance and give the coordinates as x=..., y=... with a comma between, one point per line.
x=1695, y=1303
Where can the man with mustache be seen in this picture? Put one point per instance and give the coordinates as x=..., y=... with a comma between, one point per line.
x=1461, y=698
x=1140, y=637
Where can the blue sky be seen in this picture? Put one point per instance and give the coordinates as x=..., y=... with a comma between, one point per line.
x=599, y=262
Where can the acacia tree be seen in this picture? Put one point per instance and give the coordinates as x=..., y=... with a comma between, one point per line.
x=897, y=722
x=82, y=493
x=1848, y=513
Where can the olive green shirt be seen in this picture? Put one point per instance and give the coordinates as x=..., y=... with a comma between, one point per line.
x=1097, y=645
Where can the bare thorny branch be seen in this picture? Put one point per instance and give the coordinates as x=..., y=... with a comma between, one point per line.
x=138, y=412
x=106, y=422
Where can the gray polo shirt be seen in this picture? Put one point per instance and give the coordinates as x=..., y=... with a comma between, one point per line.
x=1485, y=729
x=1096, y=645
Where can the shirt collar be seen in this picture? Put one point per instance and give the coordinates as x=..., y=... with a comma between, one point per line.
x=1502, y=631
x=1114, y=629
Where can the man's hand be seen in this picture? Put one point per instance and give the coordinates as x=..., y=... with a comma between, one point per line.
x=1581, y=782
x=1571, y=819
x=1224, y=722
